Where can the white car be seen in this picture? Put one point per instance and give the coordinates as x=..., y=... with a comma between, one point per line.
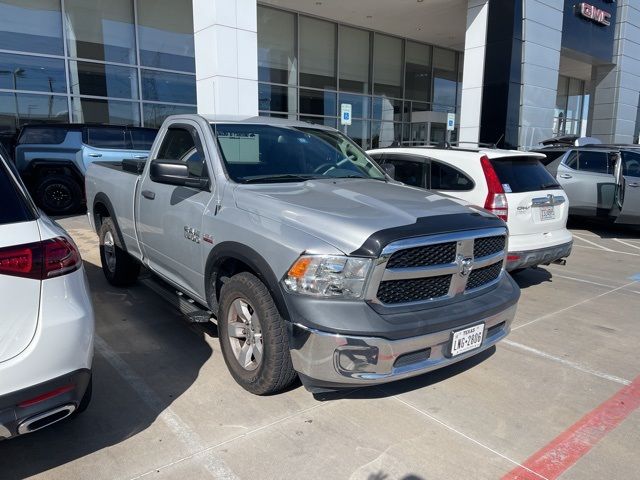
x=47, y=322
x=513, y=185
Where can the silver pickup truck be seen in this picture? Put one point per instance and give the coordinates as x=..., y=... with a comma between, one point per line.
x=311, y=260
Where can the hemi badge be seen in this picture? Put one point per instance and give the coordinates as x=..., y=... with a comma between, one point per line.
x=207, y=238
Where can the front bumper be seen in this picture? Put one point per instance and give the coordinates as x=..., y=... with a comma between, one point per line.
x=542, y=256
x=329, y=361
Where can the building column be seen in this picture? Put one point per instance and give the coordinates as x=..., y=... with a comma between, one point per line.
x=473, y=71
x=226, y=50
x=542, y=43
x=615, y=104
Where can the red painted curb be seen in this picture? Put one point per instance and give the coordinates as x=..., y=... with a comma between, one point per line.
x=572, y=444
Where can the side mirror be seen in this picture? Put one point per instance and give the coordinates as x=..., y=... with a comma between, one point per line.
x=175, y=173
x=389, y=169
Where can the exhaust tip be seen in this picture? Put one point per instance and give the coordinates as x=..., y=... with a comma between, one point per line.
x=45, y=419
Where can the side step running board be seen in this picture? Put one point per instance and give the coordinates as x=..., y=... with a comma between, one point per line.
x=192, y=311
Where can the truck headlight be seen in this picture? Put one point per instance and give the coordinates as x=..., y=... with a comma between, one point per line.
x=328, y=276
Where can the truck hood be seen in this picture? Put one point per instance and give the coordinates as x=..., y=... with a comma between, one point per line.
x=346, y=212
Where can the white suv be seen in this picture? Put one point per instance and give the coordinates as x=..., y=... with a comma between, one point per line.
x=513, y=185
x=47, y=323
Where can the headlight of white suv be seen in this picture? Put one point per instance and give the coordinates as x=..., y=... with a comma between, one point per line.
x=328, y=276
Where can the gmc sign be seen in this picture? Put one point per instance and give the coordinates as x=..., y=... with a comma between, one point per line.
x=594, y=14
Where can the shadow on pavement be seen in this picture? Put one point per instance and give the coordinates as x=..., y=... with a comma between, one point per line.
x=154, y=345
x=604, y=229
x=532, y=276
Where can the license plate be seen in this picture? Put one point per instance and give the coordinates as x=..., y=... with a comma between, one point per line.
x=547, y=213
x=467, y=339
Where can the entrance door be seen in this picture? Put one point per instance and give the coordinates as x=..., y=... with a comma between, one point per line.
x=629, y=196
x=170, y=217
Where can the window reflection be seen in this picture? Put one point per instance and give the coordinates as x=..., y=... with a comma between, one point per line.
x=276, y=46
x=31, y=26
x=101, y=30
x=165, y=33
x=24, y=72
x=89, y=110
x=445, y=80
x=316, y=102
x=155, y=113
x=387, y=65
x=354, y=59
x=276, y=98
x=16, y=109
x=103, y=80
x=317, y=53
x=168, y=87
x=417, y=71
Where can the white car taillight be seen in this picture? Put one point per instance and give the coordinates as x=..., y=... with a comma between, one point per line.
x=40, y=260
x=496, y=201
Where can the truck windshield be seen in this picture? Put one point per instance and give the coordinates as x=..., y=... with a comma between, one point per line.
x=268, y=154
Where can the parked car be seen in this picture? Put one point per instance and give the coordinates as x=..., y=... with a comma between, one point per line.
x=47, y=323
x=601, y=181
x=555, y=147
x=312, y=262
x=511, y=184
x=53, y=158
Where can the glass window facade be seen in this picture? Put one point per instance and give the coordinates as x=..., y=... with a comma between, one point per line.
x=399, y=90
x=109, y=61
x=572, y=107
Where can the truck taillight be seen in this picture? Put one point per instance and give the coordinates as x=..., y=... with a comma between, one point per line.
x=40, y=260
x=496, y=201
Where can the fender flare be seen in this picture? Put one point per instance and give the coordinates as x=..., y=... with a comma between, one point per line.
x=251, y=258
x=39, y=163
x=104, y=200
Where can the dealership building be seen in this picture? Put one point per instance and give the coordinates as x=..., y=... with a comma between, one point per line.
x=514, y=72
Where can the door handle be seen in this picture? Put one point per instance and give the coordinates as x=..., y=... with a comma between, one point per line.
x=96, y=155
x=148, y=194
x=565, y=175
x=634, y=184
x=140, y=157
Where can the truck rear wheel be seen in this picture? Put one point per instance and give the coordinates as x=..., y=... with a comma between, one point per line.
x=253, y=336
x=58, y=194
x=120, y=268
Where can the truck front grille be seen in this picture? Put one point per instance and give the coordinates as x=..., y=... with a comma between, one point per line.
x=424, y=256
x=403, y=291
x=431, y=269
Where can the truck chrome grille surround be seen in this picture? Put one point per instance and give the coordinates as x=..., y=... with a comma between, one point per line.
x=424, y=256
x=436, y=268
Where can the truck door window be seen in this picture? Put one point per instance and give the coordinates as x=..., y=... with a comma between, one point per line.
x=182, y=144
x=631, y=164
x=572, y=161
x=111, y=138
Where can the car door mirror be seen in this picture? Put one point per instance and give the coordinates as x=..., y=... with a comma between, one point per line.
x=389, y=169
x=175, y=173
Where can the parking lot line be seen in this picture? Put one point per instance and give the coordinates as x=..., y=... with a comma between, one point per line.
x=608, y=250
x=583, y=281
x=520, y=466
x=568, y=363
x=215, y=466
x=592, y=243
x=567, y=448
x=573, y=306
x=626, y=243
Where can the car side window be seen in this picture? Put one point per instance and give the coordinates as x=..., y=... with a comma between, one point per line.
x=407, y=171
x=182, y=144
x=111, y=138
x=43, y=136
x=631, y=164
x=572, y=161
x=595, y=162
x=444, y=177
x=142, y=138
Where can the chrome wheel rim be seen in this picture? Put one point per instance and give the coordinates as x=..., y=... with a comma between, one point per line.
x=109, y=251
x=245, y=334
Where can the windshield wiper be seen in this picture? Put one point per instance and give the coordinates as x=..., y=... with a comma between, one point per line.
x=547, y=186
x=277, y=178
x=360, y=176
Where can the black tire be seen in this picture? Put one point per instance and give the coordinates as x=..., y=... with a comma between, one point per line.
x=58, y=195
x=275, y=371
x=120, y=268
x=86, y=398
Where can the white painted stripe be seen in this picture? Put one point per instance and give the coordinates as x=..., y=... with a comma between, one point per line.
x=215, y=466
x=625, y=243
x=464, y=435
x=592, y=243
x=608, y=250
x=568, y=363
x=583, y=281
x=571, y=306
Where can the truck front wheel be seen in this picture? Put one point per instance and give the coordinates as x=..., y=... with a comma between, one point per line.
x=118, y=266
x=253, y=336
x=58, y=195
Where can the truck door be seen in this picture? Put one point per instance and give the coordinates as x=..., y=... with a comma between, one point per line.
x=170, y=217
x=628, y=197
